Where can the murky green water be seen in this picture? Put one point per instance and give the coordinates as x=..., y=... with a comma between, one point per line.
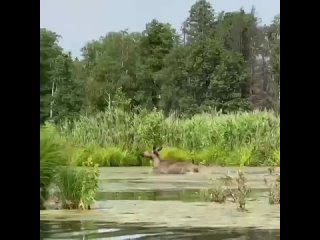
x=101, y=230
x=133, y=203
x=185, y=195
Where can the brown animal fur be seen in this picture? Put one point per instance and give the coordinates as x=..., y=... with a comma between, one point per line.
x=169, y=166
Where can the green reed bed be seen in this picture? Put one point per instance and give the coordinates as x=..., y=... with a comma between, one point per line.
x=116, y=138
x=77, y=186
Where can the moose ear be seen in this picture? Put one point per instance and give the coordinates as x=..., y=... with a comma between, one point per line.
x=159, y=149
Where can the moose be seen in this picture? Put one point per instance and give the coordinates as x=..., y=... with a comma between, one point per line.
x=169, y=166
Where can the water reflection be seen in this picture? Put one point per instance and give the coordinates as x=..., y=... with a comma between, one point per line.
x=100, y=230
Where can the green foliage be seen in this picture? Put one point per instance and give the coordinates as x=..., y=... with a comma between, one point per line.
x=200, y=22
x=77, y=186
x=61, y=92
x=245, y=155
x=211, y=155
x=49, y=50
x=52, y=155
x=274, y=158
x=135, y=90
x=201, y=76
x=175, y=154
x=117, y=138
x=111, y=156
x=68, y=95
x=150, y=128
x=215, y=66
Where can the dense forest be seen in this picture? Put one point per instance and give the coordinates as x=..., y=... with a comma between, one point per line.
x=224, y=61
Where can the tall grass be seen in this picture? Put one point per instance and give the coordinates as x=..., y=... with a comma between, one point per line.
x=77, y=186
x=116, y=138
x=51, y=157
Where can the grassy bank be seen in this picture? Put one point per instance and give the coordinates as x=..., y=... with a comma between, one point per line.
x=117, y=138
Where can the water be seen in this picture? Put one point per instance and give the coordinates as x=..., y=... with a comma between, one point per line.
x=100, y=230
x=185, y=195
x=133, y=203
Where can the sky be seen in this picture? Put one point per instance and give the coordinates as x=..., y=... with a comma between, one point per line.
x=81, y=21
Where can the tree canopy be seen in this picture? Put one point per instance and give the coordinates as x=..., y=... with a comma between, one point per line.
x=224, y=61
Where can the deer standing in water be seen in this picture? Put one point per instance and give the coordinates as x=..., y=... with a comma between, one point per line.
x=169, y=166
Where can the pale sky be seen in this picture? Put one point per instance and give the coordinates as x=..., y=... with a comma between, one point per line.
x=80, y=21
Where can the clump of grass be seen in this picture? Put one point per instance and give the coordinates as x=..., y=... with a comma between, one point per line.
x=52, y=155
x=273, y=161
x=77, y=186
x=274, y=195
x=221, y=190
x=243, y=190
x=214, y=194
x=228, y=182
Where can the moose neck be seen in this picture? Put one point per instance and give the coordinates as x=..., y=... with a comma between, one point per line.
x=156, y=161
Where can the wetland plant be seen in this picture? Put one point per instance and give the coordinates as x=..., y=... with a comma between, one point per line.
x=243, y=190
x=274, y=195
x=116, y=137
x=52, y=156
x=221, y=190
x=214, y=194
x=77, y=186
x=271, y=169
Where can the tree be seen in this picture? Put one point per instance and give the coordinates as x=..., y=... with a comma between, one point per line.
x=224, y=63
x=68, y=97
x=200, y=22
x=109, y=64
x=216, y=76
x=49, y=50
x=239, y=32
x=203, y=75
x=174, y=95
x=157, y=41
x=273, y=38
